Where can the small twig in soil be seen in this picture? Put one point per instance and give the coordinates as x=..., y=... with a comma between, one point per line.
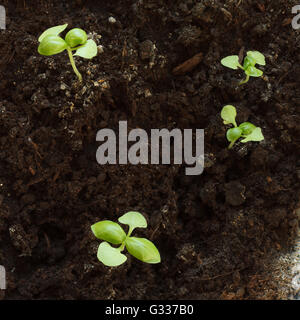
x=32, y=171
x=35, y=146
x=48, y=242
x=56, y=176
x=261, y=7
x=281, y=78
x=188, y=65
x=151, y=237
x=241, y=55
x=124, y=53
x=227, y=14
x=11, y=57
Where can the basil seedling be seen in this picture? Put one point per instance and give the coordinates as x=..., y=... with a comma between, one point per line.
x=245, y=130
x=112, y=232
x=75, y=40
x=252, y=58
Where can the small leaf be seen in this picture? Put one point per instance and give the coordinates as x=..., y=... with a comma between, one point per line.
x=228, y=114
x=142, y=249
x=51, y=45
x=109, y=256
x=133, y=219
x=233, y=134
x=258, y=57
x=54, y=31
x=76, y=37
x=256, y=135
x=249, y=61
x=109, y=231
x=88, y=51
x=231, y=62
x=253, y=72
x=247, y=128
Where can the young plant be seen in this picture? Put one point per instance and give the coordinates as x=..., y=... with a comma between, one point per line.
x=245, y=130
x=75, y=40
x=112, y=232
x=252, y=58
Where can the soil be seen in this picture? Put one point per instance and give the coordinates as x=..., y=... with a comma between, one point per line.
x=220, y=233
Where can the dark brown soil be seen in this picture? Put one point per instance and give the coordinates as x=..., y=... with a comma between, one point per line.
x=217, y=232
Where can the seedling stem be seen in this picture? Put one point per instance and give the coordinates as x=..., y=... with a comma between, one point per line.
x=73, y=64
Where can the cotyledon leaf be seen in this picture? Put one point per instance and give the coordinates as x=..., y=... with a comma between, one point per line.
x=231, y=62
x=53, y=31
x=109, y=231
x=109, y=256
x=143, y=249
x=88, y=51
x=134, y=219
x=228, y=114
x=255, y=135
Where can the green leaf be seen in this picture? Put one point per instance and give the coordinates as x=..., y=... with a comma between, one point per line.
x=233, y=134
x=54, y=31
x=76, y=37
x=249, y=61
x=133, y=219
x=258, y=57
x=109, y=256
x=109, y=231
x=142, y=249
x=247, y=128
x=231, y=62
x=51, y=45
x=256, y=135
x=253, y=72
x=88, y=51
x=228, y=114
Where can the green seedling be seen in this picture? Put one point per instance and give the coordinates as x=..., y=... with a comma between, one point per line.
x=75, y=40
x=111, y=232
x=252, y=58
x=246, y=130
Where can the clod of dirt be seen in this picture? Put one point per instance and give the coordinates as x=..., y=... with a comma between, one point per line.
x=276, y=216
x=147, y=50
x=21, y=240
x=234, y=193
x=189, y=35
